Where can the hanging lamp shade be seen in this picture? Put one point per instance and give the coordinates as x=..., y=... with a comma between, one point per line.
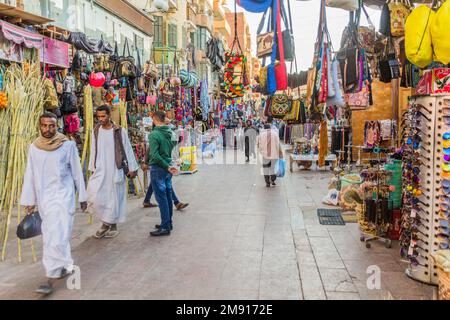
x=97, y=79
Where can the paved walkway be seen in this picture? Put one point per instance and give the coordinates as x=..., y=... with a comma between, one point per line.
x=237, y=240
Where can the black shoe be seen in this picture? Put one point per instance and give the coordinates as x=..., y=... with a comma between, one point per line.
x=160, y=232
x=158, y=226
x=273, y=183
x=268, y=185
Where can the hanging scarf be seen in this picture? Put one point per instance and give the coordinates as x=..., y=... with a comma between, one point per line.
x=50, y=144
x=204, y=99
x=323, y=143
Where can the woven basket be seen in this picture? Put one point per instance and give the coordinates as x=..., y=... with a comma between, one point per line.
x=444, y=285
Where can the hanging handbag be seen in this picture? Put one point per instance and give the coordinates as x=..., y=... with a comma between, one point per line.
x=388, y=66
x=288, y=37
x=358, y=100
x=140, y=76
x=399, y=11
x=264, y=41
x=126, y=64
x=281, y=105
x=349, y=5
x=280, y=69
x=367, y=35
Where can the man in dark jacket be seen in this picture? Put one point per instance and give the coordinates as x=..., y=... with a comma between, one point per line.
x=161, y=143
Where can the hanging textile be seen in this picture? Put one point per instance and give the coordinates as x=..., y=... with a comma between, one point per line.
x=204, y=99
x=235, y=74
x=256, y=6
x=323, y=143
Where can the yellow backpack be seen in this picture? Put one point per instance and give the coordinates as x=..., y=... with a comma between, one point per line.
x=440, y=33
x=51, y=98
x=419, y=49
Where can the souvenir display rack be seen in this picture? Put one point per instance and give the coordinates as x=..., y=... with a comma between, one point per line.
x=425, y=201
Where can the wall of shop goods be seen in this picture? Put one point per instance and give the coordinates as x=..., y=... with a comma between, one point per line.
x=380, y=110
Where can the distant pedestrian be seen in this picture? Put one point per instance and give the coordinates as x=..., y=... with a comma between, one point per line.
x=270, y=150
x=250, y=134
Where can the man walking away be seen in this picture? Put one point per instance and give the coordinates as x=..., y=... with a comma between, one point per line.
x=161, y=143
x=112, y=158
x=250, y=134
x=52, y=177
x=270, y=150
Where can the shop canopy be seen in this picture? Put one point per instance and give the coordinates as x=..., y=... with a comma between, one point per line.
x=21, y=36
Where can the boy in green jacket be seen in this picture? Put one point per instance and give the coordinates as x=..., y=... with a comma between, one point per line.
x=161, y=143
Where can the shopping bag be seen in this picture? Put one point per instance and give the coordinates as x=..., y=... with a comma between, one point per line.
x=30, y=226
x=280, y=168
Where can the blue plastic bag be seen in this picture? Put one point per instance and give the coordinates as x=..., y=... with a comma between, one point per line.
x=280, y=168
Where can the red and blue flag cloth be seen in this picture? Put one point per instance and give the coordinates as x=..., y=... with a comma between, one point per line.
x=255, y=5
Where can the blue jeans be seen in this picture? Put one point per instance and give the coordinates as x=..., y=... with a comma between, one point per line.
x=149, y=194
x=161, y=181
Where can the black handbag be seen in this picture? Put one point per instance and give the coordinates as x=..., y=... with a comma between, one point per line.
x=389, y=67
x=287, y=35
x=30, y=226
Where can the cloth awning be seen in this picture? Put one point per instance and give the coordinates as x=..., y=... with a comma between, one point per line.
x=81, y=42
x=21, y=36
x=255, y=5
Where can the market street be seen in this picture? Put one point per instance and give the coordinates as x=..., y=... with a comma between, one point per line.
x=236, y=240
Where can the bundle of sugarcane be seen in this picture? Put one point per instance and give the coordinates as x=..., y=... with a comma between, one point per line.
x=26, y=96
x=5, y=127
x=88, y=127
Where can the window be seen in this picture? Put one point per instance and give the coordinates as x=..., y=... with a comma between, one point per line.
x=203, y=37
x=139, y=44
x=184, y=36
x=173, y=36
x=158, y=28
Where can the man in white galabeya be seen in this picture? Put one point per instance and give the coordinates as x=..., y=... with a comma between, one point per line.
x=112, y=159
x=52, y=177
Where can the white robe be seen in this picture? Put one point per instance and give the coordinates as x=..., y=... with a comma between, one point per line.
x=106, y=190
x=50, y=182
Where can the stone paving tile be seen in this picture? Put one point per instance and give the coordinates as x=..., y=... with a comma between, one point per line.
x=343, y=296
x=337, y=280
x=312, y=286
x=280, y=289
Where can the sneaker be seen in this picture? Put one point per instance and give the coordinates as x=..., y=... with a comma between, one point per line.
x=160, y=232
x=149, y=205
x=158, y=226
x=102, y=231
x=181, y=206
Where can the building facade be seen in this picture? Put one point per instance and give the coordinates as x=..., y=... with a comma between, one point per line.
x=115, y=21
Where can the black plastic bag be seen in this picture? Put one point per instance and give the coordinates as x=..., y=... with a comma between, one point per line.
x=30, y=226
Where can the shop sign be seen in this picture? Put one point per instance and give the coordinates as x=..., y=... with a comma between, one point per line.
x=441, y=80
x=55, y=53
